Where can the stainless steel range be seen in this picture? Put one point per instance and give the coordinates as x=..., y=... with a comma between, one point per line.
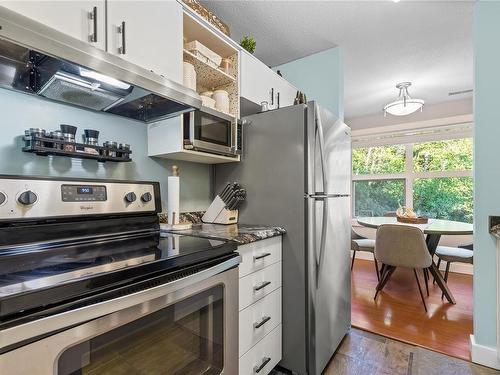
x=89, y=286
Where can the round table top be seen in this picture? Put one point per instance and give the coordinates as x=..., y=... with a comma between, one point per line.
x=434, y=226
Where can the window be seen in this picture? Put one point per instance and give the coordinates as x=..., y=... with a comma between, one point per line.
x=433, y=177
x=376, y=197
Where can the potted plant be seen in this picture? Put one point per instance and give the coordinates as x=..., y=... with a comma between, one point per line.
x=248, y=43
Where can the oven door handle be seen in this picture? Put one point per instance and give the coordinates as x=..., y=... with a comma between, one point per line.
x=20, y=333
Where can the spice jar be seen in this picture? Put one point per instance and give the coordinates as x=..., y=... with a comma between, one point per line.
x=111, y=148
x=68, y=134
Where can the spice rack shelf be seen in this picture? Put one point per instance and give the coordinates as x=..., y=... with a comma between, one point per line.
x=45, y=146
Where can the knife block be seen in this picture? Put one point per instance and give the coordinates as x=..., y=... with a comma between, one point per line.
x=217, y=213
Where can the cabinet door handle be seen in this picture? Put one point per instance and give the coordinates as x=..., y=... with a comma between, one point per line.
x=93, y=17
x=262, y=322
x=261, y=286
x=259, y=368
x=261, y=256
x=121, y=30
x=272, y=95
x=278, y=99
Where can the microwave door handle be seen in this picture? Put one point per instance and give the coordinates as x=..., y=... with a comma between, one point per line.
x=191, y=127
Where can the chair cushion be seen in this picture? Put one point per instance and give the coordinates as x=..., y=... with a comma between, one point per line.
x=364, y=244
x=454, y=254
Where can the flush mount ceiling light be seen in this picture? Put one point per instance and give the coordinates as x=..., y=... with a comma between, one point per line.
x=404, y=104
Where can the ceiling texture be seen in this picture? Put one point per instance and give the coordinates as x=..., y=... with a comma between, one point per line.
x=383, y=42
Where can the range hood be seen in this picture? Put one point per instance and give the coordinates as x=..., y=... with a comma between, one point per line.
x=39, y=60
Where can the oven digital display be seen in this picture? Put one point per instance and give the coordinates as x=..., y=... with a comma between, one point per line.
x=83, y=193
x=84, y=190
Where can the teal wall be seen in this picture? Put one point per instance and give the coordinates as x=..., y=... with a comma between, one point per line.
x=320, y=76
x=20, y=111
x=486, y=167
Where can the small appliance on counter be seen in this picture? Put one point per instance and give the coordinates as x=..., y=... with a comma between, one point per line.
x=224, y=208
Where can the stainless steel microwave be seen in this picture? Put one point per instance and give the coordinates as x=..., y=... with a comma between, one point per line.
x=210, y=131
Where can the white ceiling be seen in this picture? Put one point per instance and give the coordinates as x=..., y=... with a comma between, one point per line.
x=426, y=42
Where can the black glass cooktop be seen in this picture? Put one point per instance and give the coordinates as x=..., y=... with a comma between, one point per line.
x=40, y=276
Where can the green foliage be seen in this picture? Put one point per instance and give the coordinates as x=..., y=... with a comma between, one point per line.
x=376, y=160
x=444, y=198
x=248, y=43
x=376, y=197
x=441, y=197
x=448, y=155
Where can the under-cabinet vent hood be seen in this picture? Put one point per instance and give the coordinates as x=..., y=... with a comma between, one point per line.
x=38, y=60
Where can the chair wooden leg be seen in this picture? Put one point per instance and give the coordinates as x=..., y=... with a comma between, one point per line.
x=420, y=289
x=353, y=257
x=438, y=264
x=386, y=275
x=446, y=273
x=426, y=277
x=376, y=269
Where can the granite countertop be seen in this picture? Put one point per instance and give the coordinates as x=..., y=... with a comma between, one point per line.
x=495, y=226
x=239, y=233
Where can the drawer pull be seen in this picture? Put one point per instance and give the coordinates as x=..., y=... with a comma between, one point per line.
x=261, y=256
x=265, y=361
x=262, y=322
x=261, y=286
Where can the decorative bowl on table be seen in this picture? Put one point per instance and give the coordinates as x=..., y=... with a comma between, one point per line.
x=407, y=215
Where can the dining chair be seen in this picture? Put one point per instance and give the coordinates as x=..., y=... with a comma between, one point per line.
x=449, y=254
x=401, y=246
x=360, y=243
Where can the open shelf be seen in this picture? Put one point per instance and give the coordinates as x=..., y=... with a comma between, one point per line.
x=194, y=30
x=46, y=147
x=206, y=74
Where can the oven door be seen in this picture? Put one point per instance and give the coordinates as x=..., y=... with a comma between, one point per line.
x=189, y=326
x=210, y=132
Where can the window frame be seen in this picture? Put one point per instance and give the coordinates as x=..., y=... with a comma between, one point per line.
x=408, y=175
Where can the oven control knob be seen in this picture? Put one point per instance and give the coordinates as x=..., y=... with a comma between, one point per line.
x=27, y=198
x=146, y=197
x=130, y=197
x=3, y=198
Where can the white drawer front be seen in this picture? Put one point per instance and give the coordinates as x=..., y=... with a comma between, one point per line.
x=258, y=320
x=260, y=254
x=267, y=351
x=259, y=284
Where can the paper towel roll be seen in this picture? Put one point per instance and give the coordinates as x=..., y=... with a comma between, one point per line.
x=173, y=198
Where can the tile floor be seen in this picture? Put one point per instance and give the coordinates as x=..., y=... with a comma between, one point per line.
x=364, y=353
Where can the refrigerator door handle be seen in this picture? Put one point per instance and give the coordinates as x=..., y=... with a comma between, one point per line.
x=320, y=135
x=322, y=243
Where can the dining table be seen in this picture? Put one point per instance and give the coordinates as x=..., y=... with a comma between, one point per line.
x=433, y=230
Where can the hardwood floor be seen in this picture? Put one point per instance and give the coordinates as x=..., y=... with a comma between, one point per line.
x=398, y=312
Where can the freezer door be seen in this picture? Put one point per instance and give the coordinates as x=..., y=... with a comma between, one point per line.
x=329, y=281
x=328, y=152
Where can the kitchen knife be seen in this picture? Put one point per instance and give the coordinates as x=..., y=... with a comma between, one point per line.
x=231, y=203
x=236, y=204
x=225, y=191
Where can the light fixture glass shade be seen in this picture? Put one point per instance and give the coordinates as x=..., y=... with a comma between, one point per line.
x=405, y=104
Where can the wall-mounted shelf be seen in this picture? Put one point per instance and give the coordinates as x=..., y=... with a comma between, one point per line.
x=45, y=146
x=206, y=74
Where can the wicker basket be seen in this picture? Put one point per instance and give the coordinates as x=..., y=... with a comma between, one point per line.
x=413, y=220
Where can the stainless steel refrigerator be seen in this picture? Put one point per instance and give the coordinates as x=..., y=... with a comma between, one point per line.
x=296, y=168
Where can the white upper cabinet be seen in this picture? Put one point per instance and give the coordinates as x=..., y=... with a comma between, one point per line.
x=147, y=33
x=74, y=18
x=259, y=83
